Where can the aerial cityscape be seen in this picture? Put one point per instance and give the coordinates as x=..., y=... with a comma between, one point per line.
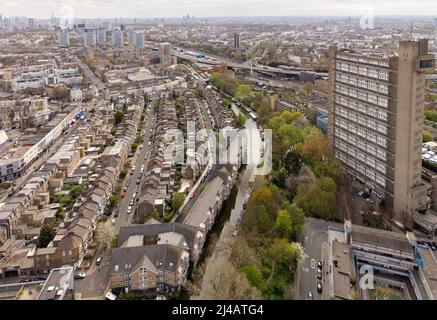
x=193, y=150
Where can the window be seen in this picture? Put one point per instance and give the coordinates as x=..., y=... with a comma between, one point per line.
x=427, y=63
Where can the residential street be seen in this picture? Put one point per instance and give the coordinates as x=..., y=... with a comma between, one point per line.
x=96, y=283
x=315, y=233
x=124, y=218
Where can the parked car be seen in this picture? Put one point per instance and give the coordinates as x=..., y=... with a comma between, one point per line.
x=310, y=296
x=98, y=261
x=80, y=275
x=39, y=279
x=193, y=195
x=129, y=210
x=319, y=264
x=319, y=273
x=319, y=286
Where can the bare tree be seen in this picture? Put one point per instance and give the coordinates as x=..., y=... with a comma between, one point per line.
x=105, y=234
x=228, y=284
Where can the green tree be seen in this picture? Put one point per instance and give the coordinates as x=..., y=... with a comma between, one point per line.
x=114, y=200
x=297, y=217
x=286, y=254
x=114, y=242
x=46, y=234
x=283, y=224
x=318, y=199
x=265, y=222
x=254, y=276
x=262, y=196
x=427, y=136
x=431, y=115
x=154, y=214
x=60, y=214
x=118, y=117
x=240, y=120
x=431, y=85
x=243, y=92
x=177, y=201
x=76, y=190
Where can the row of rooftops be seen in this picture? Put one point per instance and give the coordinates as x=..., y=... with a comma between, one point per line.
x=159, y=181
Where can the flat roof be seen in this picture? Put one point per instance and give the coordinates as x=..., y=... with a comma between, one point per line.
x=56, y=284
x=430, y=270
x=341, y=273
x=382, y=238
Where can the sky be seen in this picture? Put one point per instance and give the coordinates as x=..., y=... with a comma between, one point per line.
x=213, y=8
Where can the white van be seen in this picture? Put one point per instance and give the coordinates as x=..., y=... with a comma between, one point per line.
x=110, y=296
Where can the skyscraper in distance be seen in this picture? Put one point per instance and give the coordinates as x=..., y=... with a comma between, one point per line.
x=64, y=38
x=139, y=40
x=90, y=38
x=165, y=53
x=236, y=40
x=117, y=39
x=101, y=37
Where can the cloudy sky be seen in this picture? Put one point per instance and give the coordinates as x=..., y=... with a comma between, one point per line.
x=215, y=8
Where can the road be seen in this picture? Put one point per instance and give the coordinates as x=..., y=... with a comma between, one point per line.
x=124, y=218
x=315, y=233
x=213, y=59
x=96, y=283
x=92, y=76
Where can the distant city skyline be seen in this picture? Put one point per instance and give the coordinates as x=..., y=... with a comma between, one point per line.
x=213, y=8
